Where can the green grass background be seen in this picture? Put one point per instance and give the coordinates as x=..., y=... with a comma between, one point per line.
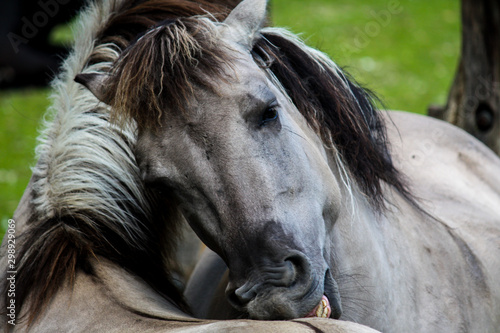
x=408, y=57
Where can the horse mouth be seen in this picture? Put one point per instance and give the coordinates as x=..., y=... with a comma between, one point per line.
x=327, y=308
x=322, y=310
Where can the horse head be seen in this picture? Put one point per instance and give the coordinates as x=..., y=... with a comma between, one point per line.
x=226, y=131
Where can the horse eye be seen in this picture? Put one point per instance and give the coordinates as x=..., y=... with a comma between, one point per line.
x=270, y=114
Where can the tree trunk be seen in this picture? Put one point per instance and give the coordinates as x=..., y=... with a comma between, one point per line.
x=474, y=98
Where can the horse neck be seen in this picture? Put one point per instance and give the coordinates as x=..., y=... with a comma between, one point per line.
x=359, y=255
x=371, y=254
x=357, y=235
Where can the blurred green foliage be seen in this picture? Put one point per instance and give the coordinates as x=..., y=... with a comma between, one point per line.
x=406, y=51
x=21, y=113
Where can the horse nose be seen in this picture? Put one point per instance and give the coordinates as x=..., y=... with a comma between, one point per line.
x=263, y=277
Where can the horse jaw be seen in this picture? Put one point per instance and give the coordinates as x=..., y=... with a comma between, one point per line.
x=244, y=21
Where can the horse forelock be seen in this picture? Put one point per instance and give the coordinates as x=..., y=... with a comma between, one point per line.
x=341, y=112
x=159, y=72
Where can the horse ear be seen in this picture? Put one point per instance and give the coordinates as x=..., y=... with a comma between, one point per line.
x=245, y=20
x=96, y=83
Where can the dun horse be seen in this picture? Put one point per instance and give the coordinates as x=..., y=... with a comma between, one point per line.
x=280, y=164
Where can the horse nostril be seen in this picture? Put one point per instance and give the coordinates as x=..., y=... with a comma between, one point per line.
x=241, y=296
x=298, y=265
x=289, y=273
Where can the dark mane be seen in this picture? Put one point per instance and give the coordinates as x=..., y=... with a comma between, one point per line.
x=341, y=112
x=61, y=237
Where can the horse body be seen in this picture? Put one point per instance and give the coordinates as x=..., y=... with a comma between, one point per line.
x=437, y=272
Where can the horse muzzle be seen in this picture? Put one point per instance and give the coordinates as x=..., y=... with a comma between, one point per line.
x=285, y=290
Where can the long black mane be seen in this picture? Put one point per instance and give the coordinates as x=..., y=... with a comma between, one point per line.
x=342, y=112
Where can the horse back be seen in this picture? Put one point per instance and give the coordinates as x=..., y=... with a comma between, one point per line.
x=456, y=179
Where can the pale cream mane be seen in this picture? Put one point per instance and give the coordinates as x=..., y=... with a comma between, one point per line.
x=84, y=161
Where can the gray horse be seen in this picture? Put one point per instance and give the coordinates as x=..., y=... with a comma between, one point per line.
x=310, y=196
